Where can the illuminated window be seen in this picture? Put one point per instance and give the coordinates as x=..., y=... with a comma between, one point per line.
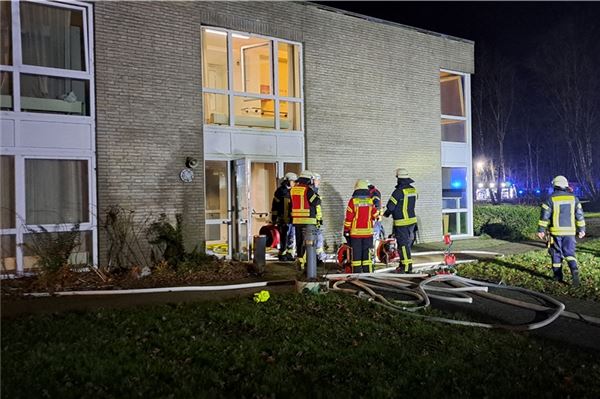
x=453, y=107
x=246, y=86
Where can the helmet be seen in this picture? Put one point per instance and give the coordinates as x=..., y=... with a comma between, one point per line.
x=402, y=173
x=361, y=185
x=560, y=181
x=316, y=176
x=290, y=176
x=306, y=174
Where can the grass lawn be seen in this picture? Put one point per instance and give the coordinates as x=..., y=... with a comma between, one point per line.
x=533, y=270
x=298, y=346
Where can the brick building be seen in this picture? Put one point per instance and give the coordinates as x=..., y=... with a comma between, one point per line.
x=103, y=103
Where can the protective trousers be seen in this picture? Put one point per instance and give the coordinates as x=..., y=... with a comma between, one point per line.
x=361, y=254
x=405, y=236
x=563, y=247
x=300, y=230
x=283, y=237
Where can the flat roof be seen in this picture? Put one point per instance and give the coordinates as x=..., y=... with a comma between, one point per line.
x=385, y=22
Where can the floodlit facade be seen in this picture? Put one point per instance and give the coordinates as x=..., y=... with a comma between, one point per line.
x=110, y=103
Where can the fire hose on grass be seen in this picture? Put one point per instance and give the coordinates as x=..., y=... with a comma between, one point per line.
x=419, y=288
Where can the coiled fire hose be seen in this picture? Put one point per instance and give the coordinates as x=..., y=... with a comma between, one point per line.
x=418, y=289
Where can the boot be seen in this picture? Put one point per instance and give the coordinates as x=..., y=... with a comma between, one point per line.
x=576, y=282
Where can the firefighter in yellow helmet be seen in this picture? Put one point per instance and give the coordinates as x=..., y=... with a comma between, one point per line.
x=304, y=210
x=562, y=215
x=401, y=206
x=358, y=227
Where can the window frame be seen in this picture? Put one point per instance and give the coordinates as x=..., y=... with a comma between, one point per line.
x=274, y=67
x=466, y=105
x=467, y=146
x=22, y=153
x=17, y=68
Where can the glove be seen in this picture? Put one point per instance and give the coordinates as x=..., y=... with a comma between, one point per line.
x=319, y=223
x=386, y=214
x=347, y=236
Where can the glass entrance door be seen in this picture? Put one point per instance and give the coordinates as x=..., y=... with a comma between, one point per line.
x=218, y=208
x=241, y=195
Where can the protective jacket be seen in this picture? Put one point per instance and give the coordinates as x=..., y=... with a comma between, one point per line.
x=562, y=214
x=281, y=211
x=304, y=204
x=376, y=195
x=360, y=213
x=401, y=205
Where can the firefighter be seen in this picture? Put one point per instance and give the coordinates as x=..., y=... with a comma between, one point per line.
x=281, y=215
x=562, y=215
x=319, y=241
x=304, y=211
x=358, y=227
x=401, y=206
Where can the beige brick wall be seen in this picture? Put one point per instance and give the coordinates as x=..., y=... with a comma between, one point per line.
x=371, y=102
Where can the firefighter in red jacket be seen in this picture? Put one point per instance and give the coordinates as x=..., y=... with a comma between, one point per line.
x=304, y=211
x=358, y=227
x=401, y=206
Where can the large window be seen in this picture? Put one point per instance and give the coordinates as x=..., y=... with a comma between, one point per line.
x=454, y=200
x=47, y=186
x=53, y=70
x=56, y=191
x=453, y=107
x=250, y=81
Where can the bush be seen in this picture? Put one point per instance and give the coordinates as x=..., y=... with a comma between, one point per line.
x=508, y=222
x=52, y=249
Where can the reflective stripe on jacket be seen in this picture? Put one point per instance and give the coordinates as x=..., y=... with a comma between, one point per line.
x=562, y=214
x=360, y=213
x=402, y=205
x=304, y=204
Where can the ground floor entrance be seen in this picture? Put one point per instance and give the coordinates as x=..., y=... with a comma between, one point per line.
x=238, y=195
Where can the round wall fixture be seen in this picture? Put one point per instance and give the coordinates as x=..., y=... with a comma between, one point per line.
x=186, y=175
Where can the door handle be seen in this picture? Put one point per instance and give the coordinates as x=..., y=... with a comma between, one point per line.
x=227, y=222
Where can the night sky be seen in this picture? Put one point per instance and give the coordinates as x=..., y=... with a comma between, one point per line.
x=515, y=31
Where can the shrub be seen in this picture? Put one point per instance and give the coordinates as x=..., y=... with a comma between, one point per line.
x=52, y=249
x=168, y=239
x=126, y=247
x=509, y=222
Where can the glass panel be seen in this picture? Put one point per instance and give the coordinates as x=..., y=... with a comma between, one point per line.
x=254, y=112
x=54, y=95
x=216, y=239
x=453, y=130
x=454, y=188
x=452, y=95
x=216, y=189
x=7, y=192
x=289, y=113
x=463, y=223
x=251, y=64
x=216, y=109
x=6, y=91
x=5, y=33
x=33, y=244
x=214, y=59
x=292, y=167
x=289, y=76
x=56, y=191
x=52, y=36
x=263, y=183
x=8, y=253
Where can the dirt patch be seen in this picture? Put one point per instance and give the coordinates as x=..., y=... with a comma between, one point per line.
x=71, y=280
